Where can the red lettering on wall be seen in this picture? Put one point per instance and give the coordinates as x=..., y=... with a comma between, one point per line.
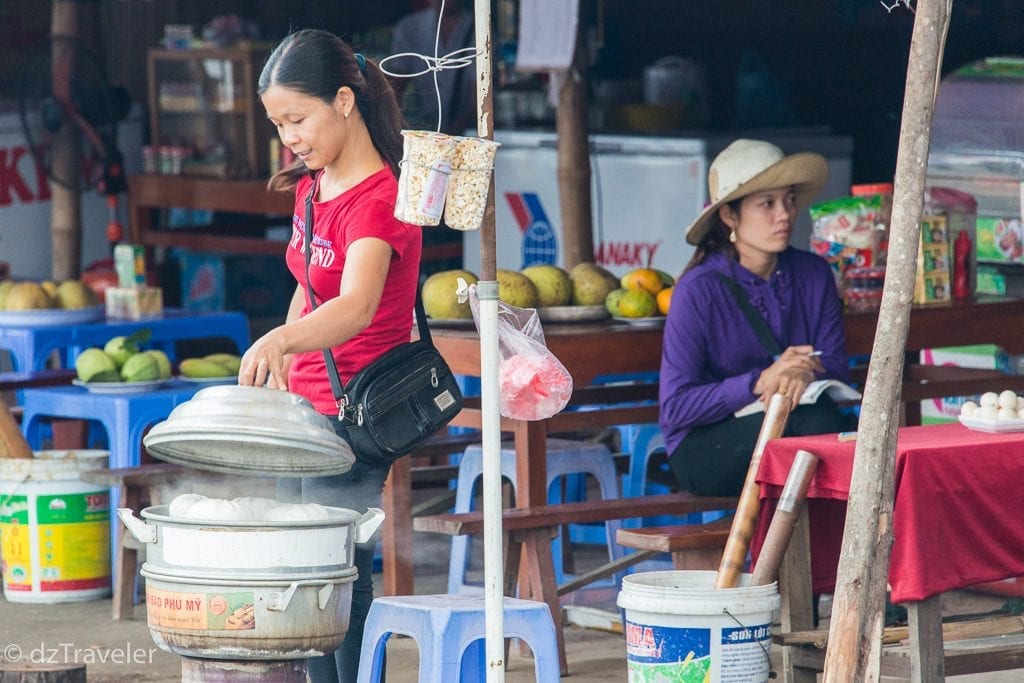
x=632, y=254
x=10, y=179
x=42, y=182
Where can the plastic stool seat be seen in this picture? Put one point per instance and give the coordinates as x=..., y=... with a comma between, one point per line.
x=564, y=458
x=647, y=441
x=449, y=630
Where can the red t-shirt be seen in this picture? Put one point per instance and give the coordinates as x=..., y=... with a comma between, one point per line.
x=366, y=210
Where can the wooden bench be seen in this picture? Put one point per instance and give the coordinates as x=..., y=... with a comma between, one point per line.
x=692, y=546
x=972, y=644
x=528, y=533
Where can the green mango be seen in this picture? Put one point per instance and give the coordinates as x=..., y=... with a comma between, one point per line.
x=201, y=368
x=228, y=360
x=140, y=367
x=94, y=365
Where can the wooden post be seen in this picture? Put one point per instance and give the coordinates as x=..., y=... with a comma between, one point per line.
x=574, y=157
x=65, y=204
x=855, y=633
x=17, y=672
x=749, y=505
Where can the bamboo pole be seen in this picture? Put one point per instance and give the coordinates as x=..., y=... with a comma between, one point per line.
x=736, y=546
x=776, y=540
x=855, y=633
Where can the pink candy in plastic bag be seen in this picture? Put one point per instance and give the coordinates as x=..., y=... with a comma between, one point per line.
x=534, y=383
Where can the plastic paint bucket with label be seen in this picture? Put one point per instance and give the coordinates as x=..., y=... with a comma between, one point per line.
x=54, y=528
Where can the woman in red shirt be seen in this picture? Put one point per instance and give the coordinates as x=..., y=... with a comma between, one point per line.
x=337, y=112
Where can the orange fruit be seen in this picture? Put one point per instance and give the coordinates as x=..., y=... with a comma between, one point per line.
x=664, y=299
x=643, y=278
x=637, y=303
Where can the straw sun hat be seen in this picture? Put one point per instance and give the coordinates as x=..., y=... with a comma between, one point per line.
x=748, y=166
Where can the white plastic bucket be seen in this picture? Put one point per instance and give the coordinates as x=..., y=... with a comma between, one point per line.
x=679, y=627
x=54, y=528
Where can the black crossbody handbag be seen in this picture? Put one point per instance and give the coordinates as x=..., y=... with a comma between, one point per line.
x=396, y=402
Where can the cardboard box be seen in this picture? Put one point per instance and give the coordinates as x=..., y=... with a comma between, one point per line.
x=1000, y=240
x=932, y=283
x=980, y=356
x=134, y=303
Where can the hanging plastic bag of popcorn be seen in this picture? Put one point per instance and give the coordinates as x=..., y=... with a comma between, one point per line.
x=426, y=171
x=472, y=165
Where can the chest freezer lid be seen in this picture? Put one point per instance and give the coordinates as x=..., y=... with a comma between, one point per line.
x=606, y=144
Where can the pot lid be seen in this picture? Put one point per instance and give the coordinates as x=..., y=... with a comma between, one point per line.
x=250, y=431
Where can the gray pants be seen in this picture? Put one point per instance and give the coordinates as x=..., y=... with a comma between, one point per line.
x=358, y=489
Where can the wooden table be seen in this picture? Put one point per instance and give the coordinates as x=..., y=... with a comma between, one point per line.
x=956, y=522
x=988, y=320
x=592, y=350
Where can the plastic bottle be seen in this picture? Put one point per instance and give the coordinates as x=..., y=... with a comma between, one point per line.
x=961, y=266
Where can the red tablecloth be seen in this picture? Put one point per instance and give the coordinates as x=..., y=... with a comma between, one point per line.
x=959, y=508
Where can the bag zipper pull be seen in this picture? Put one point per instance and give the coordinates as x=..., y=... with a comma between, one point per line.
x=433, y=378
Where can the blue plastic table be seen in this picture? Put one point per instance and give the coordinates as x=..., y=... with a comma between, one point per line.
x=31, y=345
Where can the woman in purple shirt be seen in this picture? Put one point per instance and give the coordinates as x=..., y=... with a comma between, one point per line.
x=714, y=361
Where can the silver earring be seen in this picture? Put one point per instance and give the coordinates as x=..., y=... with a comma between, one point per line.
x=346, y=114
x=732, y=235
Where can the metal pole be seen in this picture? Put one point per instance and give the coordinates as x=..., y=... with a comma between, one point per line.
x=487, y=291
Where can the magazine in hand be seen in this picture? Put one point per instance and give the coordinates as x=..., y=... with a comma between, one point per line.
x=839, y=391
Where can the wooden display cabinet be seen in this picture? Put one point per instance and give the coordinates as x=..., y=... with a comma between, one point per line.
x=205, y=100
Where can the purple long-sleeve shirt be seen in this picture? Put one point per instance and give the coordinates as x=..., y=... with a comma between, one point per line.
x=712, y=358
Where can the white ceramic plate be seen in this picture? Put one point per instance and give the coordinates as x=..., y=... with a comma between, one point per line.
x=993, y=426
x=231, y=379
x=451, y=322
x=120, y=387
x=52, y=316
x=650, y=321
x=572, y=314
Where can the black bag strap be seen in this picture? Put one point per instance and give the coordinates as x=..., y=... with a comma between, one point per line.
x=753, y=316
x=337, y=388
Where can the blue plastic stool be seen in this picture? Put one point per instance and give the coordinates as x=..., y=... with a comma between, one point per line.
x=564, y=458
x=648, y=441
x=450, y=631
x=125, y=417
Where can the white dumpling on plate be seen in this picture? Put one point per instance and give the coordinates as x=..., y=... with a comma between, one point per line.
x=989, y=398
x=1008, y=399
x=989, y=412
